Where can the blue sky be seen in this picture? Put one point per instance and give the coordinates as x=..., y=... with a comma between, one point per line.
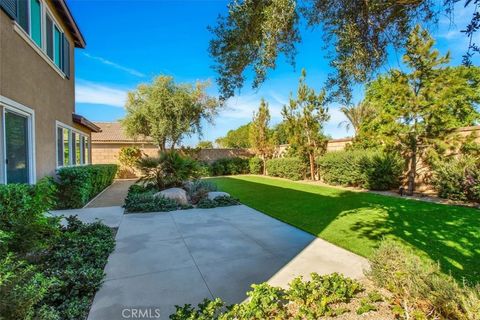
x=130, y=42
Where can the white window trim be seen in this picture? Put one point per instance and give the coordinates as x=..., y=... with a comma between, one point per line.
x=42, y=51
x=15, y=107
x=71, y=144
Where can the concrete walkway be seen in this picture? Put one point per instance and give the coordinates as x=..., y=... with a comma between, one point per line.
x=167, y=259
x=114, y=195
x=111, y=216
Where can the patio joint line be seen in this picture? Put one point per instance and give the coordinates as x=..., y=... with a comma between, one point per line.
x=193, y=259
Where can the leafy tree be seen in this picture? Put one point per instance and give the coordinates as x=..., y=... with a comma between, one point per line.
x=417, y=111
x=260, y=135
x=279, y=133
x=255, y=32
x=237, y=138
x=356, y=116
x=205, y=145
x=304, y=118
x=167, y=111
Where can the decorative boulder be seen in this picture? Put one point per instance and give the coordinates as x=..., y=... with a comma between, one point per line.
x=177, y=194
x=214, y=194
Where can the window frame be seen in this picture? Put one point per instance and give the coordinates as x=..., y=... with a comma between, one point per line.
x=27, y=35
x=71, y=146
x=8, y=105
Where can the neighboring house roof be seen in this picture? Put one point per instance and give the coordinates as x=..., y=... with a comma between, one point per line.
x=113, y=132
x=81, y=120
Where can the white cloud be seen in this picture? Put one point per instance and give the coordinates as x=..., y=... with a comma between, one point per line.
x=93, y=93
x=115, y=65
x=242, y=107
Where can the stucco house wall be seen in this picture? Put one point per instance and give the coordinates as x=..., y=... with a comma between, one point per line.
x=29, y=78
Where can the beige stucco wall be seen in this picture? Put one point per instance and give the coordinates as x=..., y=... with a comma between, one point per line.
x=108, y=152
x=28, y=79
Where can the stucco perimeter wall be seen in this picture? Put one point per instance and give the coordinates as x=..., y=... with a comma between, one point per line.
x=108, y=152
x=27, y=78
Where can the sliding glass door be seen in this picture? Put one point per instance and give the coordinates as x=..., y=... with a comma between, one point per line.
x=17, y=148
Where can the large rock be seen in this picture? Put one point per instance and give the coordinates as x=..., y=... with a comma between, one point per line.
x=177, y=194
x=214, y=194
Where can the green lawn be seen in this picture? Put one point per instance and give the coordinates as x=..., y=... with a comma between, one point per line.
x=357, y=221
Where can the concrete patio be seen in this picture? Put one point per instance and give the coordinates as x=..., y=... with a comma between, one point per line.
x=173, y=258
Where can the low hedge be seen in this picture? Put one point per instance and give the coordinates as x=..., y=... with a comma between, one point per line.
x=458, y=178
x=78, y=185
x=256, y=165
x=229, y=166
x=290, y=168
x=361, y=168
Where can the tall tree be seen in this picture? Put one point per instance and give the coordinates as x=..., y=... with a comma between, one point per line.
x=260, y=135
x=356, y=116
x=167, y=111
x=305, y=117
x=418, y=110
x=236, y=138
x=205, y=145
x=255, y=32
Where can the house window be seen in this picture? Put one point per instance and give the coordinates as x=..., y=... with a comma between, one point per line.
x=30, y=19
x=72, y=147
x=17, y=127
x=36, y=20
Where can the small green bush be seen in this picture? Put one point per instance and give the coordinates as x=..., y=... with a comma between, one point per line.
x=24, y=227
x=147, y=202
x=368, y=169
x=22, y=287
x=170, y=169
x=303, y=299
x=256, y=165
x=76, y=264
x=420, y=289
x=199, y=189
x=78, y=185
x=222, y=201
x=230, y=166
x=458, y=178
x=290, y=168
x=382, y=171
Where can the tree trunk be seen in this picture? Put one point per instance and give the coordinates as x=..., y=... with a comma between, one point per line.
x=312, y=165
x=264, y=165
x=412, y=172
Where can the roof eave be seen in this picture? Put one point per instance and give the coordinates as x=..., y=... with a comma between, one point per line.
x=81, y=120
x=70, y=21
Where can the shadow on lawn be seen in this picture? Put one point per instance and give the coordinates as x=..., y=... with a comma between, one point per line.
x=447, y=234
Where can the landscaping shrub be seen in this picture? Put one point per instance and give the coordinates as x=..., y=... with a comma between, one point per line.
x=128, y=158
x=199, y=189
x=382, y=171
x=76, y=264
x=420, y=290
x=23, y=224
x=78, y=185
x=22, y=287
x=458, y=178
x=361, y=168
x=170, y=169
x=290, y=168
x=58, y=281
x=230, y=166
x=204, y=169
x=222, y=201
x=303, y=299
x=256, y=165
x=146, y=202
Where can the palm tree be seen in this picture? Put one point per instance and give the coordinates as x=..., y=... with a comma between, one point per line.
x=356, y=115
